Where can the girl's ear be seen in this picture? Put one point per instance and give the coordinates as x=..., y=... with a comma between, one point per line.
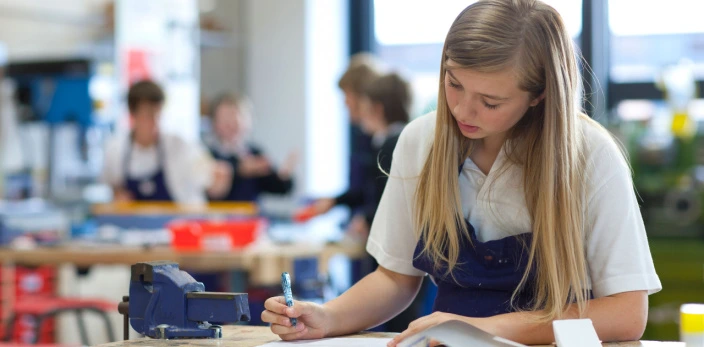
x=537, y=100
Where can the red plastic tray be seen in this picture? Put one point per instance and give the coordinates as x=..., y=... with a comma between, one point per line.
x=215, y=235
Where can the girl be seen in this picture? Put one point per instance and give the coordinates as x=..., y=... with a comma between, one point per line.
x=363, y=68
x=384, y=104
x=520, y=207
x=252, y=173
x=148, y=165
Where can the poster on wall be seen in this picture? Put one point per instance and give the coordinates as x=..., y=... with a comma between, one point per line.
x=158, y=40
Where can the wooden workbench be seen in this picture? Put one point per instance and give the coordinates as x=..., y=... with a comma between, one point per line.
x=252, y=336
x=232, y=336
x=164, y=207
x=264, y=262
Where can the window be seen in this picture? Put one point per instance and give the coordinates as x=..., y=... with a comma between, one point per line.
x=412, y=42
x=647, y=35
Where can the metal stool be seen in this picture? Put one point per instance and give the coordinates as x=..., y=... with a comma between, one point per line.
x=41, y=308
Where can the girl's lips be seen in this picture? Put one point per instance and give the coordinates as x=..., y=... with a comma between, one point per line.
x=467, y=128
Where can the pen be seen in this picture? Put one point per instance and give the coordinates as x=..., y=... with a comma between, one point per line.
x=286, y=284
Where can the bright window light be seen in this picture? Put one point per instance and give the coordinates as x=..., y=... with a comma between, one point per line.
x=400, y=22
x=653, y=17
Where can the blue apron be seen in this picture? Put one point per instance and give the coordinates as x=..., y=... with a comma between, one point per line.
x=150, y=187
x=242, y=188
x=485, y=277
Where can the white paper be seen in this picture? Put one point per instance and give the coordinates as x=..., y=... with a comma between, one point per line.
x=333, y=342
x=456, y=334
x=575, y=333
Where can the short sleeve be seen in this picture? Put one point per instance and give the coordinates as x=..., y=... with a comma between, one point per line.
x=201, y=165
x=113, y=170
x=618, y=253
x=190, y=170
x=392, y=239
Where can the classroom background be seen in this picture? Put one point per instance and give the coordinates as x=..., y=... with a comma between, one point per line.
x=66, y=239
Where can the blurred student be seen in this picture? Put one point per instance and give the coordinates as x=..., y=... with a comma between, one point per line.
x=362, y=69
x=383, y=112
x=148, y=165
x=252, y=172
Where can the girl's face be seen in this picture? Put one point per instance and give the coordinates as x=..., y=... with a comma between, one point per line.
x=371, y=115
x=230, y=123
x=352, y=101
x=485, y=105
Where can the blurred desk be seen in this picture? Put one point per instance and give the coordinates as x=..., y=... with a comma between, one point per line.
x=263, y=261
x=151, y=208
x=251, y=336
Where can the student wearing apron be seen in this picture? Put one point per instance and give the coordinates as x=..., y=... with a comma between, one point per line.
x=150, y=187
x=384, y=104
x=362, y=69
x=542, y=222
x=148, y=165
x=487, y=277
x=252, y=172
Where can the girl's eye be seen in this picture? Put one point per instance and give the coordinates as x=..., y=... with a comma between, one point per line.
x=453, y=85
x=490, y=106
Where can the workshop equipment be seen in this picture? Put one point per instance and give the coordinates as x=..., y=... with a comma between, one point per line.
x=215, y=235
x=166, y=303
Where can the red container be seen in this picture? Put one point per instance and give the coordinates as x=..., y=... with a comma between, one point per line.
x=25, y=330
x=41, y=282
x=215, y=235
x=35, y=281
x=32, y=281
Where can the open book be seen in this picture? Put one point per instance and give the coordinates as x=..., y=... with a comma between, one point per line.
x=455, y=333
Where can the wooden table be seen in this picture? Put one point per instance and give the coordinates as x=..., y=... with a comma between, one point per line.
x=251, y=336
x=232, y=336
x=164, y=207
x=264, y=261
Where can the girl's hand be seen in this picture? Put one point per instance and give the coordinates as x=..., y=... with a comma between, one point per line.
x=358, y=227
x=121, y=195
x=432, y=320
x=313, y=321
x=252, y=166
x=222, y=179
x=319, y=207
x=289, y=166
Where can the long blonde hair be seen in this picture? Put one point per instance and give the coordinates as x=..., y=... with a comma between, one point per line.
x=529, y=37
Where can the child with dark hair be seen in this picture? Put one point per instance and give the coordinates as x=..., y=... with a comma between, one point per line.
x=148, y=165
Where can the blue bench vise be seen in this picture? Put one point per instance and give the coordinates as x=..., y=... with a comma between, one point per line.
x=167, y=303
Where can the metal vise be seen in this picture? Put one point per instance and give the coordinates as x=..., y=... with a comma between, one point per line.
x=166, y=303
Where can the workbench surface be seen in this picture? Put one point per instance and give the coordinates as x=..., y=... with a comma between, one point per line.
x=251, y=336
x=233, y=336
x=264, y=262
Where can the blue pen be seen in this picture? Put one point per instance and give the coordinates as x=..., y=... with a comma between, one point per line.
x=286, y=284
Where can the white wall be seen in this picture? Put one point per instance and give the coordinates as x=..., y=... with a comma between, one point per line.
x=296, y=51
x=222, y=61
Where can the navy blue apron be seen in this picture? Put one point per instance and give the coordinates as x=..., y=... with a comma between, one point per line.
x=242, y=188
x=485, y=277
x=150, y=187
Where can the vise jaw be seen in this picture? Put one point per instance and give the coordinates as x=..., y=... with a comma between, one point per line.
x=166, y=303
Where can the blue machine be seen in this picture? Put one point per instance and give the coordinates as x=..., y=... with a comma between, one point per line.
x=167, y=303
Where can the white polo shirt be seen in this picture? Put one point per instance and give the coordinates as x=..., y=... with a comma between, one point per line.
x=188, y=167
x=617, y=249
